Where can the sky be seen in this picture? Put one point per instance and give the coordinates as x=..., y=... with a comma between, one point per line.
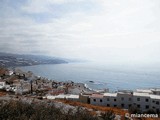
x=106, y=31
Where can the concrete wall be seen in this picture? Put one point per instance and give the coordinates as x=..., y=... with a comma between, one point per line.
x=155, y=104
x=156, y=92
x=84, y=98
x=141, y=102
x=97, y=101
x=124, y=100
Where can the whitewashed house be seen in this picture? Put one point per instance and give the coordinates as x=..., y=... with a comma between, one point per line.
x=2, y=84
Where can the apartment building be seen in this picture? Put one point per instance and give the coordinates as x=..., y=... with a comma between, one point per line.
x=143, y=100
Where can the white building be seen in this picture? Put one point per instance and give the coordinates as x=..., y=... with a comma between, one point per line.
x=143, y=100
x=155, y=102
x=120, y=99
x=97, y=99
x=2, y=84
x=155, y=91
x=64, y=96
x=74, y=90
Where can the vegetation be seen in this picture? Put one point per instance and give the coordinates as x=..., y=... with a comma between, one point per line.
x=18, y=110
x=96, y=108
x=134, y=110
x=108, y=115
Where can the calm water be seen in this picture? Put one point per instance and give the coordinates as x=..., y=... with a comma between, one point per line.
x=103, y=76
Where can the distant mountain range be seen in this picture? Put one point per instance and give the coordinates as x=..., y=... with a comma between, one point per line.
x=14, y=60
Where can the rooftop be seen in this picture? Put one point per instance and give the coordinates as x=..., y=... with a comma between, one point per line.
x=141, y=94
x=156, y=89
x=97, y=95
x=110, y=94
x=62, y=96
x=125, y=93
x=148, y=90
x=155, y=96
x=144, y=90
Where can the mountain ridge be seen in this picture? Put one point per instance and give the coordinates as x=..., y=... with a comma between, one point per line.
x=15, y=60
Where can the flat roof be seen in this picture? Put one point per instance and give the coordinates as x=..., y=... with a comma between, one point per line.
x=110, y=94
x=144, y=90
x=125, y=93
x=156, y=89
x=155, y=96
x=63, y=96
x=97, y=96
x=141, y=94
x=148, y=90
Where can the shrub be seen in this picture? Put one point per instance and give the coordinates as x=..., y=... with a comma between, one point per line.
x=109, y=115
x=18, y=110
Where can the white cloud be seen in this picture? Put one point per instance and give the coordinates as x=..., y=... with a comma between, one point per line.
x=119, y=31
x=42, y=6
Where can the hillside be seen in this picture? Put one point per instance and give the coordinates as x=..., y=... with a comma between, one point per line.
x=14, y=60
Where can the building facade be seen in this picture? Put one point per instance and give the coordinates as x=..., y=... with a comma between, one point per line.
x=144, y=101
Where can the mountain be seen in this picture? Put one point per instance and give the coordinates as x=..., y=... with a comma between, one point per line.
x=14, y=60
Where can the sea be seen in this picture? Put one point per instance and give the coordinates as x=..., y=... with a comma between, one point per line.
x=99, y=76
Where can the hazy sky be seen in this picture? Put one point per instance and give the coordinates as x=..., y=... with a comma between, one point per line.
x=111, y=31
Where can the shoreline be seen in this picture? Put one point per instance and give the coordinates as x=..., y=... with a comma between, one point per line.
x=83, y=73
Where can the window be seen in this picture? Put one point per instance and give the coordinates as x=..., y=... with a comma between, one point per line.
x=122, y=105
x=138, y=106
x=108, y=105
x=138, y=99
x=94, y=100
x=115, y=100
x=157, y=102
x=122, y=98
x=107, y=99
x=147, y=106
x=115, y=105
x=147, y=100
x=130, y=105
x=129, y=99
x=153, y=101
x=153, y=107
x=100, y=100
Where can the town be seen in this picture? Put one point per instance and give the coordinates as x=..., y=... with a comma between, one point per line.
x=18, y=83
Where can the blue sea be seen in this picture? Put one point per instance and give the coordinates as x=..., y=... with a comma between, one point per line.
x=103, y=76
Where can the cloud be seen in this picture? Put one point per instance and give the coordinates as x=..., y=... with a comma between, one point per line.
x=41, y=6
x=110, y=31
